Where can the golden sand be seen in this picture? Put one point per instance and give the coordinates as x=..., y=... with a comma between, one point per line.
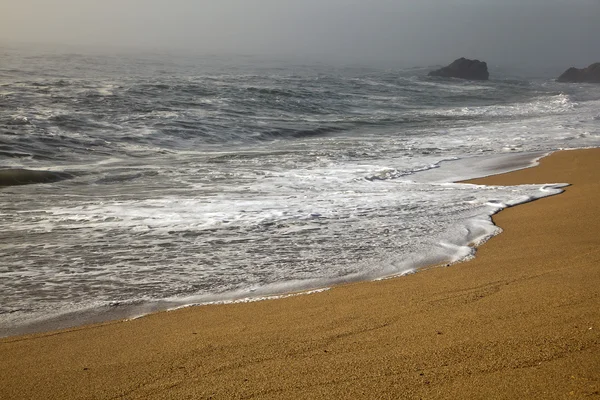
x=521, y=321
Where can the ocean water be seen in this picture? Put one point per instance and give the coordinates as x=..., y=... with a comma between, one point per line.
x=207, y=179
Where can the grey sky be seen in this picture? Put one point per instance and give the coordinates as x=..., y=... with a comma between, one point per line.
x=423, y=32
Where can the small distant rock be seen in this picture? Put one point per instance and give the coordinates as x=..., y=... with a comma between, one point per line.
x=464, y=68
x=590, y=74
x=19, y=176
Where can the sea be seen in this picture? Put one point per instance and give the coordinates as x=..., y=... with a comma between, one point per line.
x=200, y=179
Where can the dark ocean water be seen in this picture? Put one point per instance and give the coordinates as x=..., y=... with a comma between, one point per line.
x=202, y=179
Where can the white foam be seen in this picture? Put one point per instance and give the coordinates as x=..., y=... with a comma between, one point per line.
x=257, y=240
x=195, y=301
x=560, y=103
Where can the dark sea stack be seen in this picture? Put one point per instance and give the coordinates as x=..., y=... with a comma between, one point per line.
x=464, y=68
x=13, y=177
x=590, y=74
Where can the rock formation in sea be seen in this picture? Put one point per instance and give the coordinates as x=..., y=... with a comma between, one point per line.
x=590, y=74
x=12, y=177
x=465, y=69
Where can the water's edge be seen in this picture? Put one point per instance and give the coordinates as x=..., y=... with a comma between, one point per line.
x=484, y=165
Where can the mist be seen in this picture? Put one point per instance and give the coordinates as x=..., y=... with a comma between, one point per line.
x=406, y=33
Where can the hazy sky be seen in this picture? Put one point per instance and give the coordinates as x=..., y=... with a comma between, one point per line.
x=411, y=33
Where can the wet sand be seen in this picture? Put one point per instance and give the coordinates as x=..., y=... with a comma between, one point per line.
x=521, y=321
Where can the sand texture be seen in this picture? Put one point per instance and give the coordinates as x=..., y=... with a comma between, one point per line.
x=521, y=321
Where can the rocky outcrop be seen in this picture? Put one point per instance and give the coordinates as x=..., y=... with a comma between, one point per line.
x=590, y=74
x=465, y=69
x=12, y=177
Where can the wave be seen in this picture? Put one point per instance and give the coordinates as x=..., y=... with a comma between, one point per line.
x=85, y=116
x=542, y=105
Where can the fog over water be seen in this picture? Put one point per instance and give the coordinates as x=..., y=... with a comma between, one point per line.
x=406, y=33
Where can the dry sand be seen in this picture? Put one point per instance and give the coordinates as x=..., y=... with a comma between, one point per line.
x=521, y=321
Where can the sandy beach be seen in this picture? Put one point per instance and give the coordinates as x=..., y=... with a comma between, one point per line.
x=520, y=321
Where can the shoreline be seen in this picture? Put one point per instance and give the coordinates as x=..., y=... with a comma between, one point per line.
x=123, y=311
x=520, y=320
